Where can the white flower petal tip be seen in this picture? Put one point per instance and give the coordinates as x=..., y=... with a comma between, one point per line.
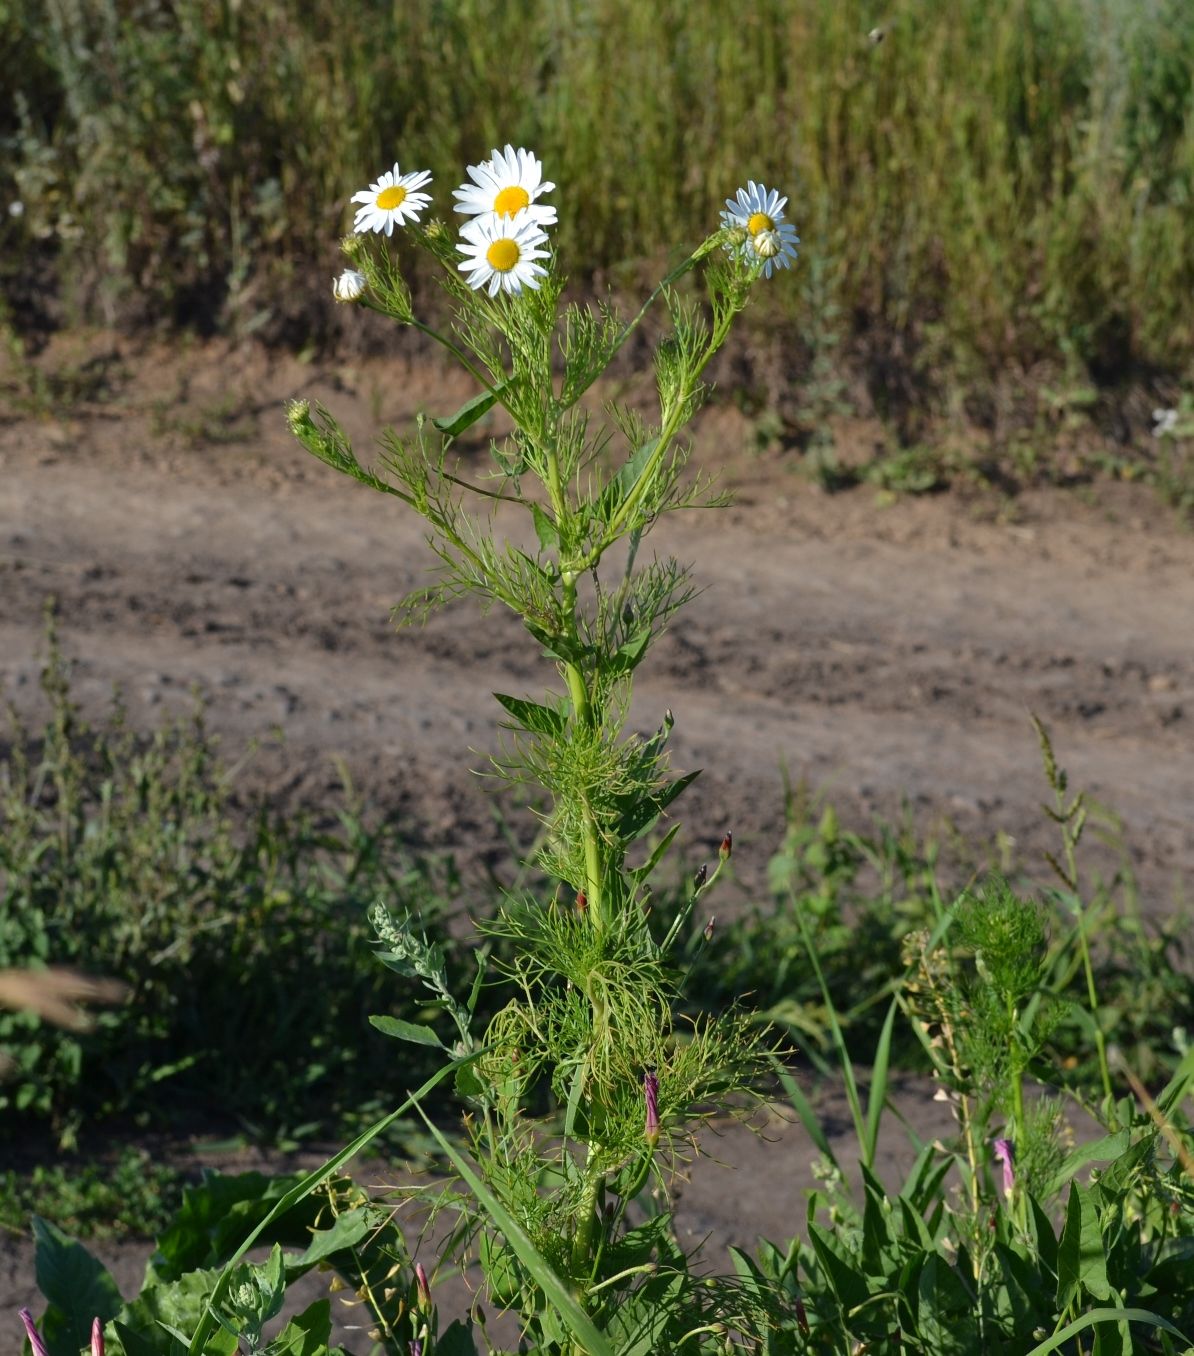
x=349, y=286
x=501, y=254
x=759, y=212
x=507, y=185
x=392, y=201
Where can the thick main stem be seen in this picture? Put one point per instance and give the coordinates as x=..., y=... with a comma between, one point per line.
x=578, y=694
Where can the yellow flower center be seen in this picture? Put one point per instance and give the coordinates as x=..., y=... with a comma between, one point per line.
x=502, y=255
x=392, y=197
x=760, y=221
x=511, y=200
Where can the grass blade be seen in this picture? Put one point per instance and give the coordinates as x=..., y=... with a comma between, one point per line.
x=556, y=1291
x=1107, y=1315
x=307, y=1185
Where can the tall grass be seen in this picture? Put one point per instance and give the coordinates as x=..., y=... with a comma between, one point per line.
x=983, y=184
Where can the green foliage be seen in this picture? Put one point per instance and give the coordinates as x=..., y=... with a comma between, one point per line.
x=985, y=183
x=125, y=859
x=132, y=1196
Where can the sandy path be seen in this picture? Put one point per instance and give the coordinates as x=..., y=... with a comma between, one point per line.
x=891, y=652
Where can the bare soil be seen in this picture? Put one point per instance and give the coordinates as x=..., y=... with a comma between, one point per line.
x=889, y=651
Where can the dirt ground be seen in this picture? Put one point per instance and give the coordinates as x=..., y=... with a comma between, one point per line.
x=888, y=651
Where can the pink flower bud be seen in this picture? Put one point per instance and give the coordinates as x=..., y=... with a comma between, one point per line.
x=727, y=846
x=651, y=1094
x=707, y=930
x=39, y=1347
x=423, y=1287
x=97, y=1338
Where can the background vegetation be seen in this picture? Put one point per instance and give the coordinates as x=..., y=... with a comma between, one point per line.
x=984, y=188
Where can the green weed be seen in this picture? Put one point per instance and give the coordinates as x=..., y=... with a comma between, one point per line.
x=130, y=859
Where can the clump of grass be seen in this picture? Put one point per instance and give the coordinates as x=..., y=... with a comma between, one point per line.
x=240, y=943
x=986, y=184
x=134, y=1196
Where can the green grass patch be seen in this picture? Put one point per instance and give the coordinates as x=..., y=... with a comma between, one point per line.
x=978, y=184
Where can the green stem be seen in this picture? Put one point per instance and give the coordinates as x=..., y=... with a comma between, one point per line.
x=672, y=423
x=674, y=276
x=582, y=1243
x=582, y=710
x=1084, y=946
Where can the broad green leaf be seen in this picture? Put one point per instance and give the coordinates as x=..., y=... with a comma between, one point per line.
x=629, y=655
x=216, y=1215
x=77, y=1287
x=545, y=529
x=1096, y=1316
x=177, y=1306
x=1097, y=1151
x=346, y=1232
x=533, y=716
x=945, y=1311
x=457, y=1340
x=850, y=1286
x=415, y=1032
x=472, y=410
x=876, y=1235
x=1081, y=1257
x=630, y=471
x=558, y=1294
x=306, y=1335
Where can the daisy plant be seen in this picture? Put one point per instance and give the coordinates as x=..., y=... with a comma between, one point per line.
x=568, y=1207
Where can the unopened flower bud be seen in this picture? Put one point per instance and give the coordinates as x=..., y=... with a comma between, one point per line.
x=349, y=286
x=582, y=902
x=727, y=846
x=97, y=1338
x=651, y=1096
x=801, y=1316
x=415, y=1348
x=707, y=930
x=766, y=244
x=737, y=235
x=701, y=876
x=39, y=1347
x=298, y=414
x=423, y=1287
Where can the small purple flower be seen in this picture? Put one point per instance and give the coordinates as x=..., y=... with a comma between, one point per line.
x=651, y=1093
x=39, y=1347
x=1003, y=1153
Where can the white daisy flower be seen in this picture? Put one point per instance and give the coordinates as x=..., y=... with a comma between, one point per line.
x=759, y=212
x=349, y=286
x=507, y=184
x=501, y=254
x=391, y=201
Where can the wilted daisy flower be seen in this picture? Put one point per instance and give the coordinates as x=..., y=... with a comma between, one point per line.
x=508, y=183
x=390, y=201
x=349, y=285
x=500, y=253
x=759, y=212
